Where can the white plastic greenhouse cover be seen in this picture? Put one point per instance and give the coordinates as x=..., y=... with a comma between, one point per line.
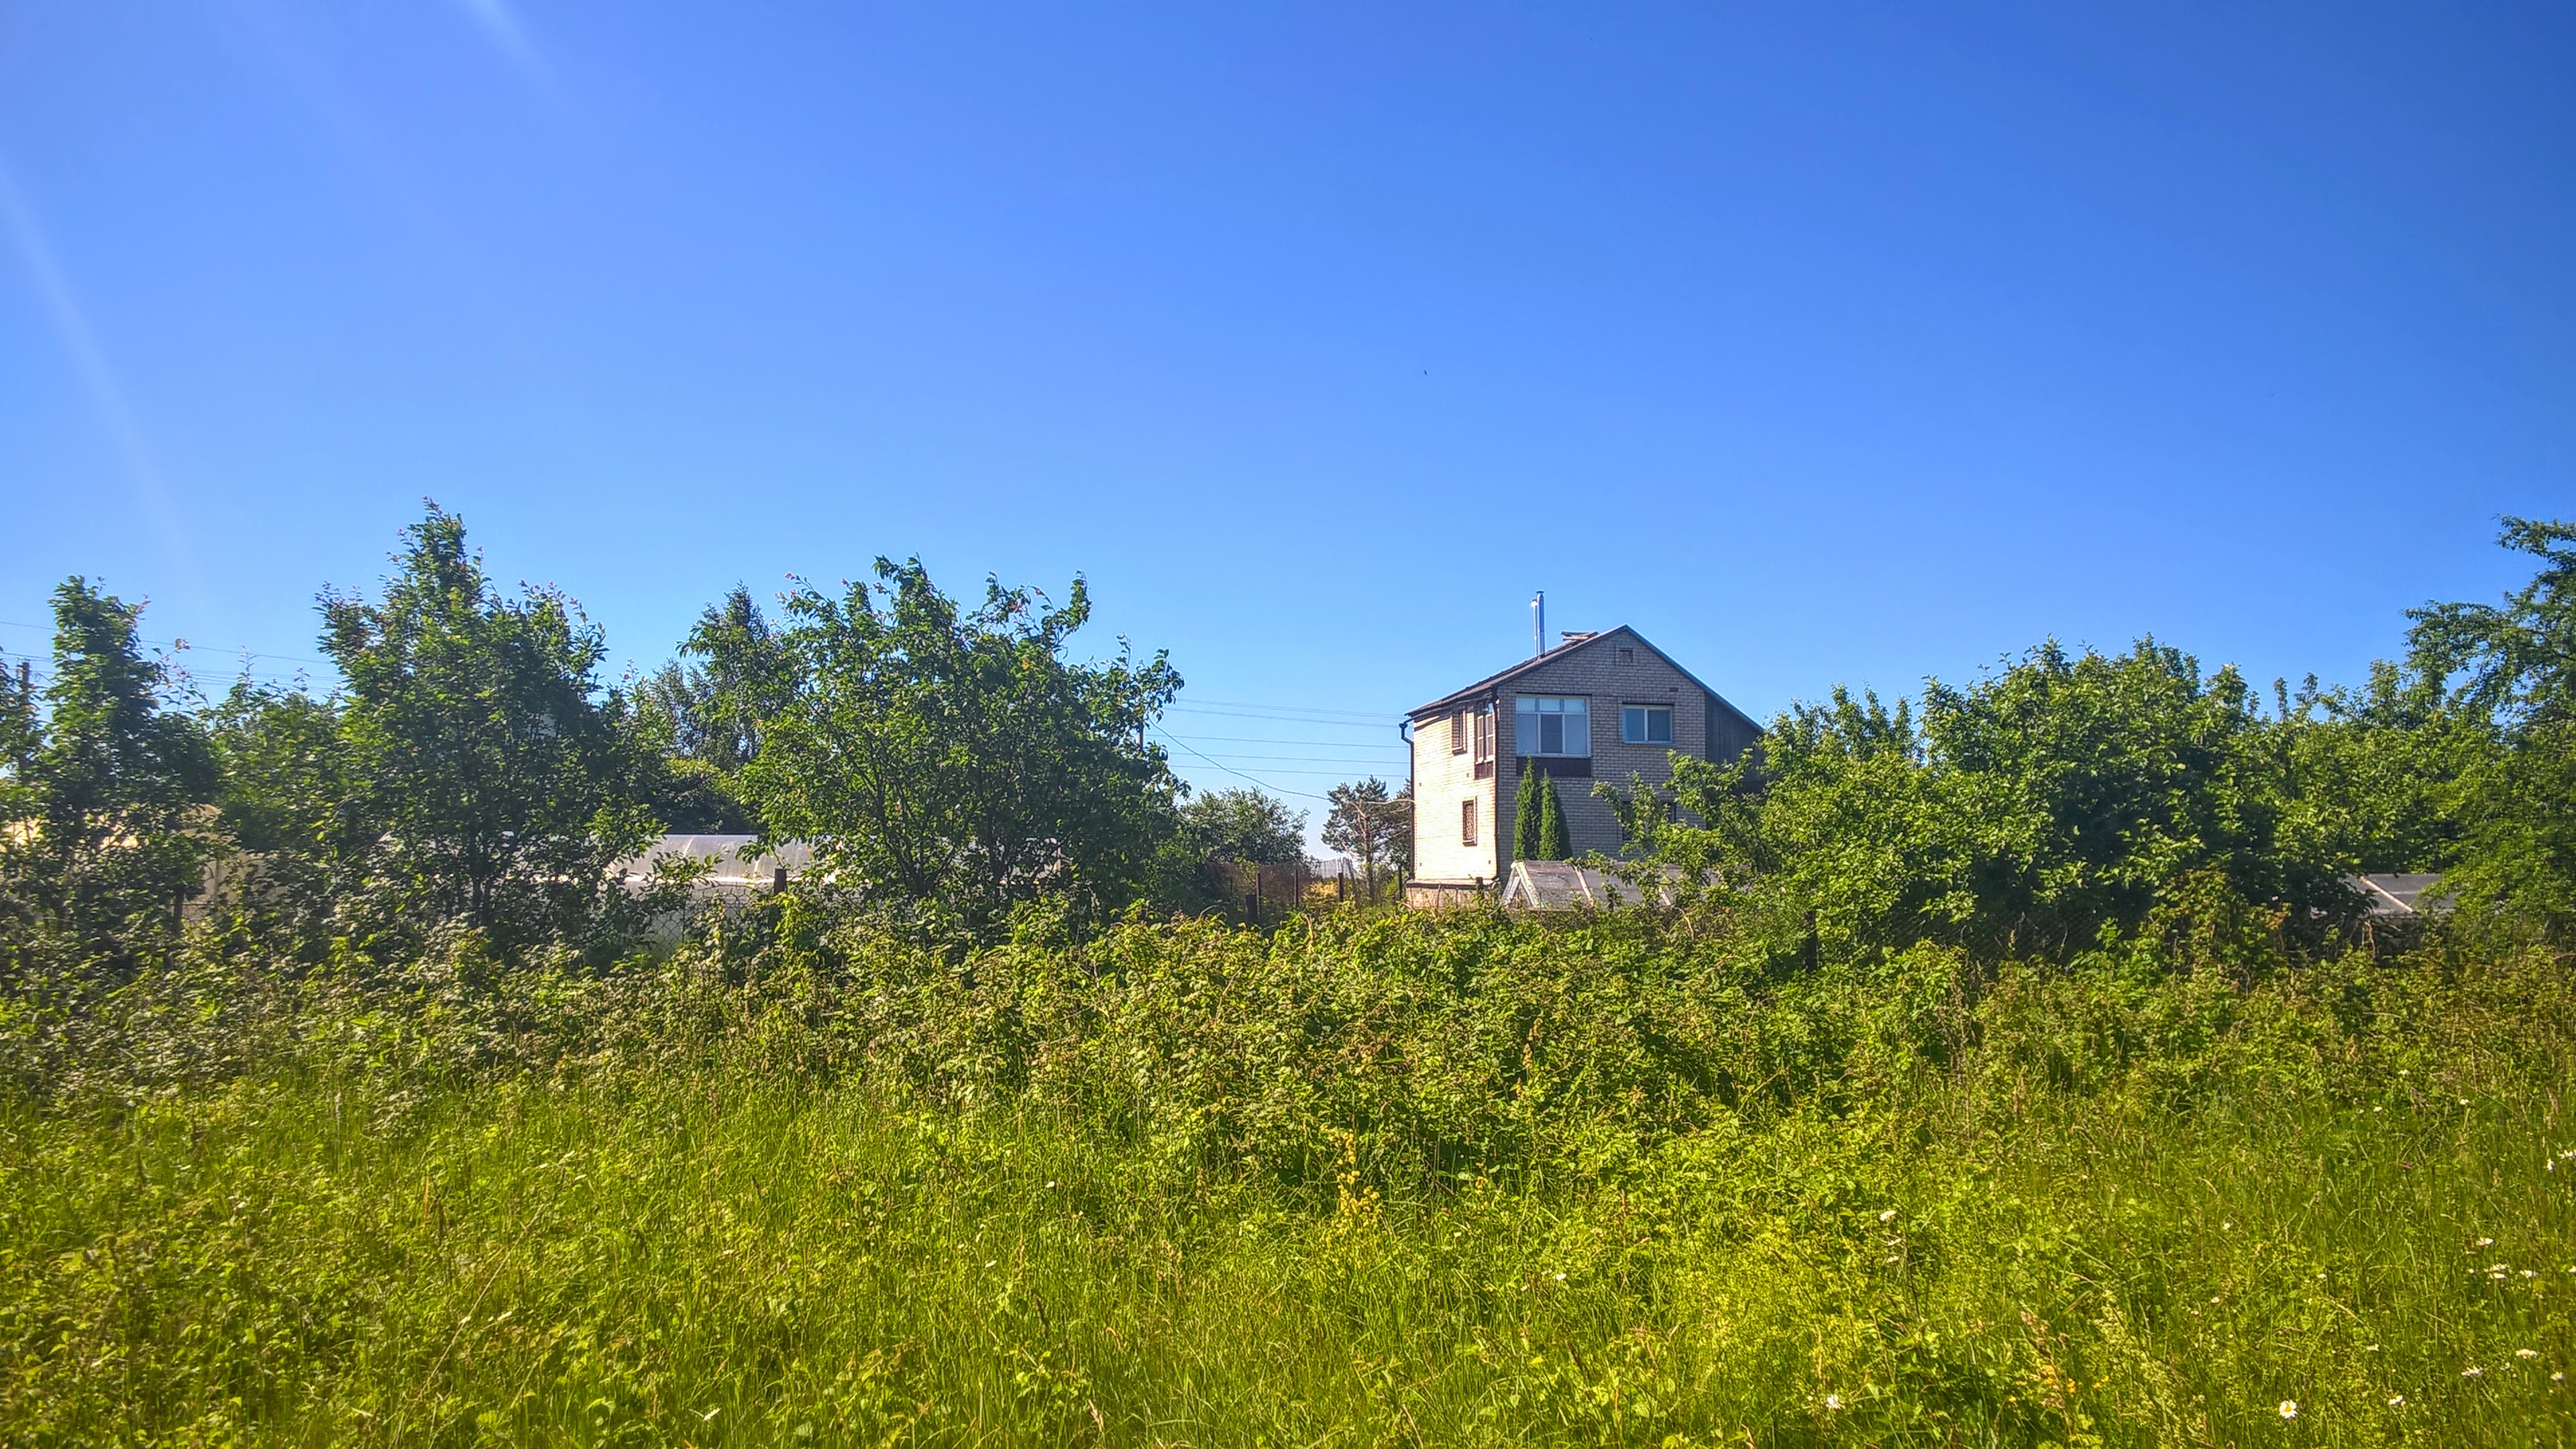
x=738, y=860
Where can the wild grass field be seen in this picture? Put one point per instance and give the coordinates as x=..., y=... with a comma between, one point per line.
x=1365, y=1179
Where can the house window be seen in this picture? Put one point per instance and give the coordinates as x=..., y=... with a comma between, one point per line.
x=1646, y=724
x=1550, y=725
x=1458, y=733
x=1627, y=655
x=1466, y=822
x=1482, y=724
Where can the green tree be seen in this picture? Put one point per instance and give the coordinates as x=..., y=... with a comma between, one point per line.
x=21, y=735
x=108, y=793
x=1538, y=818
x=1246, y=824
x=1553, y=843
x=703, y=746
x=2065, y=801
x=500, y=780
x=1372, y=825
x=295, y=819
x=2511, y=671
x=1525, y=815
x=937, y=755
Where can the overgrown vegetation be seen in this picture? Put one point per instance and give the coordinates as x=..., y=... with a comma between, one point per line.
x=2022, y=1072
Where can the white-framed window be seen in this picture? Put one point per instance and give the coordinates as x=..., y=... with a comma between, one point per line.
x=1552, y=725
x=1646, y=724
x=1467, y=822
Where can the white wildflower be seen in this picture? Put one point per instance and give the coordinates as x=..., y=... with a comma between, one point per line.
x=2486, y=1242
x=1834, y=1402
x=2396, y=1401
x=2473, y=1372
x=2526, y=1353
x=1888, y=1216
x=2289, y=1408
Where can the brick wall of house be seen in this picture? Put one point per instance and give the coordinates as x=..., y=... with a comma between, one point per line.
x=1611, y=670
x=1597, y=672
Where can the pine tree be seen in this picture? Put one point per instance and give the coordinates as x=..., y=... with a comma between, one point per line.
x=1525, y=813
x=1552, y=844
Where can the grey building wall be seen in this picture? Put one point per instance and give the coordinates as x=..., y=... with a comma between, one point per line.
x=1610, y=670
x=1598, y=672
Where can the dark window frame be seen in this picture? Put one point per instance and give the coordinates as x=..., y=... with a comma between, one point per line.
x=1649, y=710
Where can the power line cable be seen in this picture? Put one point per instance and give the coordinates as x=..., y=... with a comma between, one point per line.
x=1264, y=784
x=1364, y=716
x=1261, y=740
x=185, y=646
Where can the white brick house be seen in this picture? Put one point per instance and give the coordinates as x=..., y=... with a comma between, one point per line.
x=1598, y=706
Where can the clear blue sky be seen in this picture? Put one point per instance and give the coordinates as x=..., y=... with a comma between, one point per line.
x=1823, y=343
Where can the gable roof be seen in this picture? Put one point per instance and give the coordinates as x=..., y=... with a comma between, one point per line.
x=1491, y=682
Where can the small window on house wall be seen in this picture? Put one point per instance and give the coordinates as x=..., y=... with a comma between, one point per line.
x=1627, y=655
x=1458, y=728
x=1466, y=822
x=1646, y=724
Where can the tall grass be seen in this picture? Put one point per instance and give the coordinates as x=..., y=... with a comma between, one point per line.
x=1384, y=1180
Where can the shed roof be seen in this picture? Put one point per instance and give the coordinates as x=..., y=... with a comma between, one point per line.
x=1560, y=885
x=2407, y=894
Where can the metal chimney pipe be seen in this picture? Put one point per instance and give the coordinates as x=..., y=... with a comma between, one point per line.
x=1538, y=623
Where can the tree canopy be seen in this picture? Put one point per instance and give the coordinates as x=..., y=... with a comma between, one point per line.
x=105, y=794
x=944, y=757
x=481, y=744
x=2075, y=798
x=1371, y=825
x=1246, y=824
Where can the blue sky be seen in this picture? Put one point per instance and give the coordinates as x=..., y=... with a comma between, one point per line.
x=1823, y=343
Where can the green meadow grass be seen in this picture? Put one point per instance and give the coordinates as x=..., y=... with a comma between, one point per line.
x=2105, y=1213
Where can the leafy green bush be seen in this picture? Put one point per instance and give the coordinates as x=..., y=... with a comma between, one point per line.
x=1460, y=1179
